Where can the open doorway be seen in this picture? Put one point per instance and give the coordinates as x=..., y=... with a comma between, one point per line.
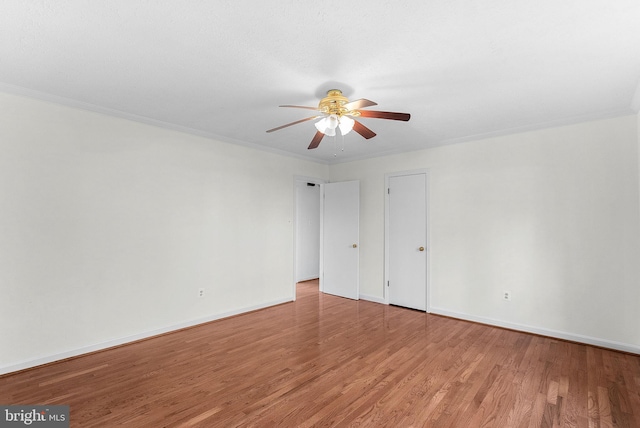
x=307, y=230
x=326, y=235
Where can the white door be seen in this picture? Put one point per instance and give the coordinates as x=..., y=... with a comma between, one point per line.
x=340, y=239
x=407, y=236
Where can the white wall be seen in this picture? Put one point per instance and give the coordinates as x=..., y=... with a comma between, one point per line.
x=108, y=228
x=552, y=216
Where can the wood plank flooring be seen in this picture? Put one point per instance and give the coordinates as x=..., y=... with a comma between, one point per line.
x=328, y=361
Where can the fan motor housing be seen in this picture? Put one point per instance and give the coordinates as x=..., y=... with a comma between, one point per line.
x=333, y=103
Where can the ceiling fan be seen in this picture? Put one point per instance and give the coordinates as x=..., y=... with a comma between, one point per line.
x=337, y=111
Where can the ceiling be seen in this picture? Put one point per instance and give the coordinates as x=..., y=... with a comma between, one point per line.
x=464, y=69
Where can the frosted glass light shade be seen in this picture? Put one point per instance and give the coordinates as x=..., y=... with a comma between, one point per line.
x=332, y=121
x=346, y=125
x=321, y=125
x=328, y=125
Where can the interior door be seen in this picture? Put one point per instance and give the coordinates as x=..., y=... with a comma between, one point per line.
x=340, y=239
x=407, y=234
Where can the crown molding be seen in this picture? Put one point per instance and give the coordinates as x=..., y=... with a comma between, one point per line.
x=81, y=105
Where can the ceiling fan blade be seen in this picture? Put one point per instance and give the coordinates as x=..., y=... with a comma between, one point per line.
x=316, y=140
x=385, y=115
x=308, y=108
x=358, y=104
x=293, y=123
x=363, y=130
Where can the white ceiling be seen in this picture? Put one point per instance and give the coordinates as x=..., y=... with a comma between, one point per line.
x=464, y=69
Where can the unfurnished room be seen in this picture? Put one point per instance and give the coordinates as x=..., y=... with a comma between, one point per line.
x=297, y=214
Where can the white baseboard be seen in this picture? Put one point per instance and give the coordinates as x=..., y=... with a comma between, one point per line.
x=604, y=343
x=128, y=339
x=374, y=299
x=436, y=311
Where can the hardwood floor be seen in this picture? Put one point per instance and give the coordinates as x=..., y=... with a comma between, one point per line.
x=329, y=361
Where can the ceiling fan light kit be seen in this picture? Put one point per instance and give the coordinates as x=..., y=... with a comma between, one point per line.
x=336, y=111
x=327, y=125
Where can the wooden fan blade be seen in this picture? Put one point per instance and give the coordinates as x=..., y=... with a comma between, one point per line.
x=308, y=108
x=316, y=140
x=363, y=130
x=293, y=123
x=385, y=115
x=358, y=104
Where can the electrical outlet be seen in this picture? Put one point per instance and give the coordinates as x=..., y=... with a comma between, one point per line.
x=201, y=292
x=506, y=295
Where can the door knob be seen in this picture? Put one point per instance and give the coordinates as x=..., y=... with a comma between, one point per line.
x=421, y=248
x=355, y=245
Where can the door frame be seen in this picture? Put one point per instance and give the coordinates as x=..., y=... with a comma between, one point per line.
x=302, y=179
x=387, y=178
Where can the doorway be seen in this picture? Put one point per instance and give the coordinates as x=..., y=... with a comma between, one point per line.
x=307, y=230
x=406, y=240
x=326, y=218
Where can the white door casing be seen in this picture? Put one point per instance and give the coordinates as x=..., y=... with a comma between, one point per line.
x=406, y=230
x=339, y=274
